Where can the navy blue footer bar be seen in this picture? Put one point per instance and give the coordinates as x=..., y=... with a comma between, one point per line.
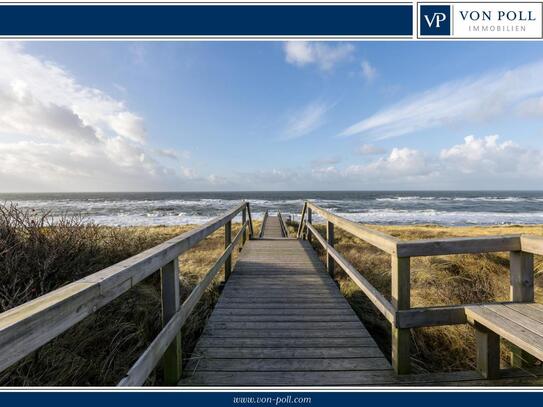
x=206, y=20
x=232, y=398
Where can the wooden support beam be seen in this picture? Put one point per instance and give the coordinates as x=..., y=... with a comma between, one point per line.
x=243, y=220
x=301, y=225
x=172, y=360
x=309, y=221
x=521, y=266
x=227, y=241
x=330, y=239
x=401, y=300
x=488, y=352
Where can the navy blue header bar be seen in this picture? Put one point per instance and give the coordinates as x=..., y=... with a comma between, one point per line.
x=206, y=20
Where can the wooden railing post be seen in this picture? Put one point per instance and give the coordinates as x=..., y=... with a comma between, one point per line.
x=172, y=360
x=243, y=220
x=227, y=241
x=401, y=293
x=488, y=352
x=301, y=225
x=309, y=221
x=251, y=231
x=521, y=266
x=330, y=239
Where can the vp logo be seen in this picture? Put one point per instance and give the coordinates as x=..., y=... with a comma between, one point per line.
x=435, y=19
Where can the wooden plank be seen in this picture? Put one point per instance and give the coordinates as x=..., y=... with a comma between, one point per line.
x=378, y=239
x=508, y=329
x=291, y=333
x=284, y=325
x=285, y=318
x=533, y=311
x=431, y=316
x=315, y=378
x=519, y=318
x=250, y=311
x=288, y=365
x=532, y=244
x=458, y=245
x=214, y=342
x=289, y=353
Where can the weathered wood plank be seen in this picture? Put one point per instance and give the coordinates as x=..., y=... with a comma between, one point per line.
x=288, y=365
x=289, y=353
x=285, y=318
x=291, y=333
x=532, y=244
x=214, y=342
x=378, y=239
x=458, y=245
x=506, y=328
x=284, y=325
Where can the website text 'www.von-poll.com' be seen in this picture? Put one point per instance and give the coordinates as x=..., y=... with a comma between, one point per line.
x=271, y=400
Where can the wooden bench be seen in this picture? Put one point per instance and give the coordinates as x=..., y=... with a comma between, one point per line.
x=519, y=323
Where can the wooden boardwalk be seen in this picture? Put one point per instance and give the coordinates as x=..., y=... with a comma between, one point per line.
x=281, y=320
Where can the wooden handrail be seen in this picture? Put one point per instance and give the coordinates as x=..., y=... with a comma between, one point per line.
x=532, y=244
x=263, y=224
x=29, y=326
x=301, y=225
x=380, y=302
x=378, y=239
x=399, y=311
x=458, y=245
x=282, y=223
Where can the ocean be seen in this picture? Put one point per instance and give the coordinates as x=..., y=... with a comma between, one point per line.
x=391, y=207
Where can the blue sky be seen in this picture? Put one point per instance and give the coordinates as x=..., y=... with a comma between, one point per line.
x=110, y=116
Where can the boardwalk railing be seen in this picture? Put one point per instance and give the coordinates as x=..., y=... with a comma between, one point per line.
x=263, y=224
x=29, y=326
x=283, y=224
x=398, y=311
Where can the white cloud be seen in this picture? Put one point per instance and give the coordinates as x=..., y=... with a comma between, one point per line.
x=454, y=103
x=68, y=136
x=370, y=149
x=305, y=121
x=368, y=71
x=301, y=53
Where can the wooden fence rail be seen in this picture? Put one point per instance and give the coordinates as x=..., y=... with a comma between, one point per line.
x=29, y=326
x=398, y=311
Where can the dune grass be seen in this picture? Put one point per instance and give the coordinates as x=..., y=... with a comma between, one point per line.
x=36, y=257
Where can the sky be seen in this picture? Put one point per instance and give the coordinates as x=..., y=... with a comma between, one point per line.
x=210, y=116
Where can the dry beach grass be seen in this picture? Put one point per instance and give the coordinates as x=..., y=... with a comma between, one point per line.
x=36, y=258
